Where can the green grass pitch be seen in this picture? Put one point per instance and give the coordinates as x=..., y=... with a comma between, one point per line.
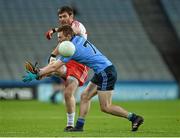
x=36, y=119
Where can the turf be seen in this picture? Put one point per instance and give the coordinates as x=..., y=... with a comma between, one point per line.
x=36, y=119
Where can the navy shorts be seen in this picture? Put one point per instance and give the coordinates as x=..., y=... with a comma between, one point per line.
x=106, y=79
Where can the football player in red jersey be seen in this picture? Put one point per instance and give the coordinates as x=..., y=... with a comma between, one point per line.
x=74, y=73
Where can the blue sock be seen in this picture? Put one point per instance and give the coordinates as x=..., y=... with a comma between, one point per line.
x=80, y=123
x=131, y=116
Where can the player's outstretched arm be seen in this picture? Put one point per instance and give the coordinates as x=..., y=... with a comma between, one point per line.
x=33, y=73
x=50, y=68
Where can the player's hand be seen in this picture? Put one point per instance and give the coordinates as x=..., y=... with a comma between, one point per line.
x=30, y=76
x=50, y=33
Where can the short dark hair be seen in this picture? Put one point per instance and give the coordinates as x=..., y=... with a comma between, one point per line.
x=67, y=9
x=66, y=29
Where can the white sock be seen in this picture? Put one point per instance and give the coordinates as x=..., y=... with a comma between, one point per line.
x=70, y=119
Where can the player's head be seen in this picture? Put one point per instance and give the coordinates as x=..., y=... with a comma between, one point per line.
x=65, y=15
x=65, y=32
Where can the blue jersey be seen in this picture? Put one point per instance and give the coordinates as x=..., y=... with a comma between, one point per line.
x=87, y=54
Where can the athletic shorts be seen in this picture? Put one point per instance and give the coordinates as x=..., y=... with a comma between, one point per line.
x=106, y=79
x=77, y=70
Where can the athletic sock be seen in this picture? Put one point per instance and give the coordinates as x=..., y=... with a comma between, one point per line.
x=131, y=116
x=70, y=119
x=80, y=123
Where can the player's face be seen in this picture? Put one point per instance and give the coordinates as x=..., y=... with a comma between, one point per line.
x=62, y=37
x=65, y=18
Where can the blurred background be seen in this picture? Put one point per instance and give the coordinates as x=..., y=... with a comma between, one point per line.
x=141, y=37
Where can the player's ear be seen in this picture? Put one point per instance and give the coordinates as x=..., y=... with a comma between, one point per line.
x=69, y=37
x=71, y=16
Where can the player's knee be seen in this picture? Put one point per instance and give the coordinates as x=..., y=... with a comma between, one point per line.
x=84, y=96
x=70, y=90
x=68, y=95
x=71, y=87
x=104, y=108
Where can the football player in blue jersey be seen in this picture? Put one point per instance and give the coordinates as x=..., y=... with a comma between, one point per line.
x=102, y=83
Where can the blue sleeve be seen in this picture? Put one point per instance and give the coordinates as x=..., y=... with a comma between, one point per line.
x=64, y=59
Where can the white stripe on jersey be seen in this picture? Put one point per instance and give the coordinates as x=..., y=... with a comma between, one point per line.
x=79, y=27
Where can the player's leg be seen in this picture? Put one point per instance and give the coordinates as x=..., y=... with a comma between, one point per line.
x=76, y=76
x=70, y=88
x=107, y=80
x=87, y=94
x=105, y=99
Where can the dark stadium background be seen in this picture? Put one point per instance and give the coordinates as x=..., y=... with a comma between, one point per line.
x=141, y=37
